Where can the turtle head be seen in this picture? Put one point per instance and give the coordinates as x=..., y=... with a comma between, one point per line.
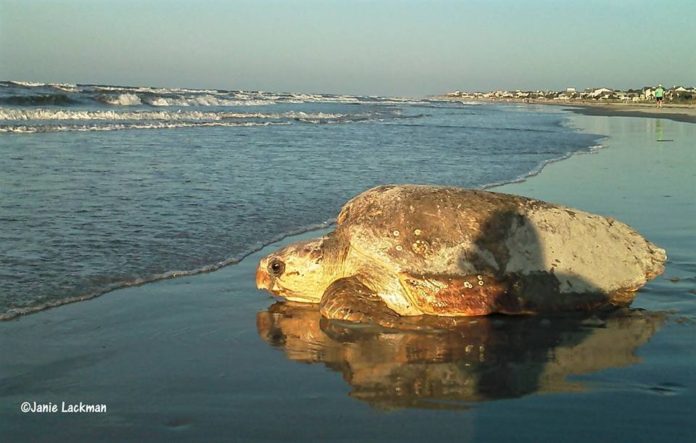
x=297, y=272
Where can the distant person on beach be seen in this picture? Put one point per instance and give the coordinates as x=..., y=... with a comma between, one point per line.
x=659, y=95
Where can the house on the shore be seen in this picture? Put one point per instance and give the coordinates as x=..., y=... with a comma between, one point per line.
x=602, y=93
x=681, y=93
x=521, y=94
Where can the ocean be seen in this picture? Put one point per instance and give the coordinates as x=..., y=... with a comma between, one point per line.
x=103, y=186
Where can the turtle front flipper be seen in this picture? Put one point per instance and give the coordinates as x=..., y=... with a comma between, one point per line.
x=348, y=299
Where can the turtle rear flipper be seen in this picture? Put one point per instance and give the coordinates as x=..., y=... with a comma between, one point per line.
x=348, y=299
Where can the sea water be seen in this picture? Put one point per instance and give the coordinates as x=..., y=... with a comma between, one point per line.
x=107, y=186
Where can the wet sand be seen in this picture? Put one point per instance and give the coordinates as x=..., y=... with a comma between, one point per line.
x=210, y=358
x=679, y=113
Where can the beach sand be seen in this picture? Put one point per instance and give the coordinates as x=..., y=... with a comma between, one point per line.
x=181, y=359
x=679, y=113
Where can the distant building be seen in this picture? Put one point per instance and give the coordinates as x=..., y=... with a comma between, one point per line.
x=571, y=90
x=601, y=92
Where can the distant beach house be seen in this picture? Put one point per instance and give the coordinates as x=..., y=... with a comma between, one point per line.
x=681, y=93
x=601, y=93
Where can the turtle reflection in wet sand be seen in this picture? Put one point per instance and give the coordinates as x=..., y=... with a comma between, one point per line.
x=410, y=250
x=476, y=359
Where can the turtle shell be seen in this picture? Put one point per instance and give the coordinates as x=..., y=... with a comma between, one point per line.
x=430, y=230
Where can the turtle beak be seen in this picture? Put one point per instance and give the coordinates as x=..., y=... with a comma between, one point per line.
x=263, y=280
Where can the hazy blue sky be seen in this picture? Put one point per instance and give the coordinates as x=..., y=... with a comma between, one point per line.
x=385, y=47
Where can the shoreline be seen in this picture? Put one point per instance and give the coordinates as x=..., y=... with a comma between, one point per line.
x=16, y=313
x=685, y=113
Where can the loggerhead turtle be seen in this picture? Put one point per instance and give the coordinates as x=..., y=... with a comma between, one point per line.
x=408, y=250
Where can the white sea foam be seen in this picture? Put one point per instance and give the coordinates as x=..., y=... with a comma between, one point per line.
x=151, y=90
x=123, y=100
x=66, y=114
x=112, y=88
x=27, y=84
x=203, y=100
x=318, y=115
x=27, y=129
x=304, y=98
x=69, y=114
x=65, y=87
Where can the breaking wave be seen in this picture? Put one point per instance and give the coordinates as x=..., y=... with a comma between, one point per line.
x=61, y=94
x=25, y=129
x=65, y=114
x=26, y=84
x=39, y=120
x=120, y=99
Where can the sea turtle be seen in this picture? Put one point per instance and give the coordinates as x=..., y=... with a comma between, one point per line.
x=410, y=250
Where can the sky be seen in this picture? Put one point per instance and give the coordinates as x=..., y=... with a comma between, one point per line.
x=380, y=47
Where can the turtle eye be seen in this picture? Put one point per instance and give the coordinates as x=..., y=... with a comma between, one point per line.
x=276, y=267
